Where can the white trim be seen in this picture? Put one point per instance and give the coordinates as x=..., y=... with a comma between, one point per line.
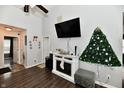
x=43, y=52
x=104, y=84
x=33, y=65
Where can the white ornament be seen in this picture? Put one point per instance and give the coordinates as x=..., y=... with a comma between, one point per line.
x=97, y=48
x=109, y=58
x=98, y=38
x=101, y=40
x=109, y=46
x=104, y=49
x=106, y=53
x=106, y=60
x=90, y=47
x=94, y=44
x=98, y=61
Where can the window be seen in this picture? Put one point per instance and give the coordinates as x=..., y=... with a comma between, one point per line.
x=7, y=46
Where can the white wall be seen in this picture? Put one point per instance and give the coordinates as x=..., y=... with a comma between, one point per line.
x=108, y=18
x=12, y=15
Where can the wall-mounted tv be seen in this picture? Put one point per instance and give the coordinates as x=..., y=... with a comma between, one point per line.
x=68, y=29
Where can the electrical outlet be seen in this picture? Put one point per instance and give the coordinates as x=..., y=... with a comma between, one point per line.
x=108, y=77
x=35, y=60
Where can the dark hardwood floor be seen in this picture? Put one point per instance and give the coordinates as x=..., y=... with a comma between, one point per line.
x=17, y=67
x=14, y=66
x=34, y=77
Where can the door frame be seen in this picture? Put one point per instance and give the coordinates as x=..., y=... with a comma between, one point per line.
x=4, y=33
x=48, y=49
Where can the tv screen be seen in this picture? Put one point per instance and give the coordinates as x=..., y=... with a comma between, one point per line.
x=68, y=29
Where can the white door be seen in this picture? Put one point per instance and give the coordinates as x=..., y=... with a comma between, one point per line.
x=46, y=47
x=16, y=58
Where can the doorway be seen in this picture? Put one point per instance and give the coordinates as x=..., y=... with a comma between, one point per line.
x=11, y=53
x=13, y=49
x=46, y=47
x=8, y=50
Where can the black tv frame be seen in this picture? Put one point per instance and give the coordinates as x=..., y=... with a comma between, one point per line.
x=67, y=22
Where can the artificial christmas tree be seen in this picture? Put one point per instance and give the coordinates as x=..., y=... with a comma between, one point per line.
x=99, y=51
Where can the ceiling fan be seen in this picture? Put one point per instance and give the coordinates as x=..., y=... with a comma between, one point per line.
x=26, y=8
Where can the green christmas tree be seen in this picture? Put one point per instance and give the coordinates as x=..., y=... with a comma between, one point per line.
x=99, y=51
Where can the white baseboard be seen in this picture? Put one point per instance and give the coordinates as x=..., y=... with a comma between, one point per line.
x=33, y=65
x=104, y=84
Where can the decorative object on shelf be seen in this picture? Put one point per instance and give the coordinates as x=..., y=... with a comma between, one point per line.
x=61, y=51
x=75, y=50
x=99, y=50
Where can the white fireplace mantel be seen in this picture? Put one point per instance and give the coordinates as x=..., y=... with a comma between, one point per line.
x=71, y=59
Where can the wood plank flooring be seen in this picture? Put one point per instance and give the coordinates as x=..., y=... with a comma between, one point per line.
x=17, y=67
x=34, y=77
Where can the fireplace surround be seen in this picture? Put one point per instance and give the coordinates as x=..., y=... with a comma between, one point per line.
x=65, y=65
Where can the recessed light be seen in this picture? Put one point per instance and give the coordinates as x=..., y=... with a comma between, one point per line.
x=8, y=29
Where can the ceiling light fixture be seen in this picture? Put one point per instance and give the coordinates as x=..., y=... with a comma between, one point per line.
x=8, y=29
